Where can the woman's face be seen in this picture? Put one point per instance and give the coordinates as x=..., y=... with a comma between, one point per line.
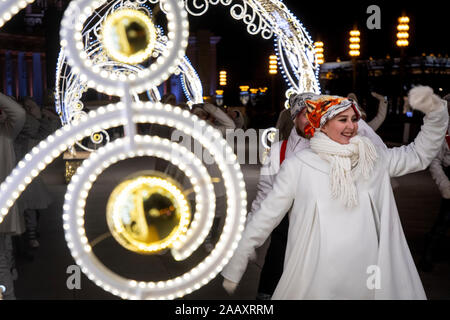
x=343, y=127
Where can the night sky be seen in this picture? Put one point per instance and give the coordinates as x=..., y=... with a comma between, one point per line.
x=245, y=56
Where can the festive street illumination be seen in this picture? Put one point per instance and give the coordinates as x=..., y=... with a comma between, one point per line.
x=402, y=34
x=127, y=114
x=147, y=214
x=319, y=52
x=9, y=8
x=219, y=98
x=70, y=87
x=270, y=18
x=296, y=57
x=273, y=64
x=223, y=78
x=269, y=136
x=128, y=36
x=244, y=95
x=82, y=181
x=105, y=81
x=354, y=43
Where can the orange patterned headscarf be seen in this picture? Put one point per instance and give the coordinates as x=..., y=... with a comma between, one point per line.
x=324, y=108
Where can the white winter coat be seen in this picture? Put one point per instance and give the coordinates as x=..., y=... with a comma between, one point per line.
x=9, y=129
x=295, y=144
x=334, y=252
x=437, y=170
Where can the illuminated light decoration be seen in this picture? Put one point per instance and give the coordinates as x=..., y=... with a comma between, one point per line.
x=190, y=82
x=128, y=36
x=9, y=8
x=159, y=216
x=272, y=18
x=103, y=81
x=263, y=90
x=223, y=78
x=97, y=137
x=244, y=96
x=128, y=114
x=113, y=115
x=273, y=64
x=268, y=135
x=253, y=93
x=295, y=50
x=402, y=34
x=219, y=98
x=70, y=88
x=319, y=52
x=354, y=43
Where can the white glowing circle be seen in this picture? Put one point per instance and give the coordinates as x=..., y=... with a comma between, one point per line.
x=74, y=48
x=201, y=274
x=8, y=8
x=266, y=136
x=76, y=237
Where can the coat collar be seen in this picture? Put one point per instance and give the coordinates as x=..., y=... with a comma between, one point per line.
x=312, y=159
x=296, y=142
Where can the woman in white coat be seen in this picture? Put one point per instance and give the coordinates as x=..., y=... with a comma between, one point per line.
x=345, y=238
x=38, y=125
x=12, y=118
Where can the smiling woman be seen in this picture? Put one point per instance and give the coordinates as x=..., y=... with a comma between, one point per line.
x=343, y=127
x=343, y=222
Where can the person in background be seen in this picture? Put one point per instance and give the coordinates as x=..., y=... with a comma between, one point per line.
x=39, y=123
x=440, y=172
x=295, y=142
x=214, y=116
x=169, y=98
x=284, y=124
x=237, y=117
x=12, y=118
x=378, y=120
x=221, y=121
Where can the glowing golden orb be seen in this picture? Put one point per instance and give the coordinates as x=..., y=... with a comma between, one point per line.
x=147, y=214
x=97, y=137
x=128, y=36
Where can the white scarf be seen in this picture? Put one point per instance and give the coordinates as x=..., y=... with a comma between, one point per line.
x=347, y=161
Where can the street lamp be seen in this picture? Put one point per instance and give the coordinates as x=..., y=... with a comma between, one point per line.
x=354, y=43
x=219, y=98
x=402, y=43
x=402, y=34
x=354, y=51
x=273, y=64
x=273, y=71
x=223, y=78
x=253, y=93
x=244, y=95
x=319, y=52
